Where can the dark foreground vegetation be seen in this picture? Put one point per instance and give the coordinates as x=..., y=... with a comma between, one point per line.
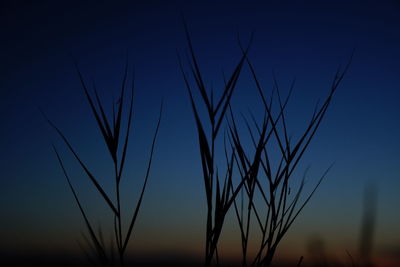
x=257, y=181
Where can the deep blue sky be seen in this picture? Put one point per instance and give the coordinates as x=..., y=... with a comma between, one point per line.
x=307, y=40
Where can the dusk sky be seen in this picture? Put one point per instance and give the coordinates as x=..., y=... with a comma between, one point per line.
x=305, y=40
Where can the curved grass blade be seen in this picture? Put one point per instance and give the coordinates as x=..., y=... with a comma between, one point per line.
x=93, y=236
x=138, y=205
x=89, y=174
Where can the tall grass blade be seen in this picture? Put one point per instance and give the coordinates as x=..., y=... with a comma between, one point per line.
x=138, y=205
x=89, y=174
x=93, y=236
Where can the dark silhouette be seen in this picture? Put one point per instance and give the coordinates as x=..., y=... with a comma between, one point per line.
x=269, y=180
x=220, y=193
x=116, y=139
x=368, y=225
x=257, y=173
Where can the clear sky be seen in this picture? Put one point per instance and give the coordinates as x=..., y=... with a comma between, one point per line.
x=306, y=40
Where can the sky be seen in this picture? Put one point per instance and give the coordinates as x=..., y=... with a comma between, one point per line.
x=305, y=40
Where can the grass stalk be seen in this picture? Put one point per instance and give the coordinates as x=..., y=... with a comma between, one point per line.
x=280, y=209
x=116, y=139
x=220, y=194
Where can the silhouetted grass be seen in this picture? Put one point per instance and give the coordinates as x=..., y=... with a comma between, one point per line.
x=278, y=210
x=116, y=139
x=259, y=176
x=220, y=194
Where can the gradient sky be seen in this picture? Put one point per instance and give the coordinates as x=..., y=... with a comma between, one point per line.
x=303, y=39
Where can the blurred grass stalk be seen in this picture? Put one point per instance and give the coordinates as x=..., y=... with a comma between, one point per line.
x=368, y=223
x=116, y=139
